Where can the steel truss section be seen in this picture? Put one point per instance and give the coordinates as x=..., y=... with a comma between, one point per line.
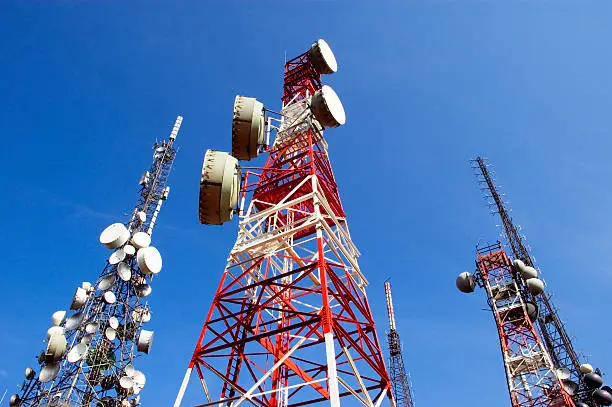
x=549, y=325
x=530, y=372
x=290, y=323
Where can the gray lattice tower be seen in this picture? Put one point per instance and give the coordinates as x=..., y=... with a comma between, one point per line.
x=90, y=356
x=550, y=327
x=397, y=371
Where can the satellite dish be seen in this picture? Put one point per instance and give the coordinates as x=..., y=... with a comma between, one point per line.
x=586, y=368
x=145, y=339
x=142, y=216
x=569, y=386
x=86, y=285
x=77, y=353
x=14, y=400
x=562, y=373
x=149, y=260
x=29, y=373
x=49, y=372
x=110, y=333
x=74, y=321
x=532, y=311
x=141, y=315
x=219, y=187
x=117, y=256
x=91, y=328
x=129, y=250
x=109, y=297
x=87, y=339
x=126, y=384
x=465, y=282
x=535, y=286
x=139, y=380
x=58, y=317
x=113, y=322
x=142, y=290
x=323, y=58
x=580, y=404
x=327, y=108
x=602, y=397
x=106, y=283
x=124, y=271
x=592, y=380
x=129, y=370
x=248, y=127
x=140, y=240
x=56, y=347
x=79, y=299
x=54, y=330
x=114, y=236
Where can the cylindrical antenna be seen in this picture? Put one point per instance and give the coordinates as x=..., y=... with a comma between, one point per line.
x=390, y=306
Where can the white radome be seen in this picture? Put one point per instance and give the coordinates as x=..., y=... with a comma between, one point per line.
x=586, y=368
x=140, y=240
x=322, y=58
x=114, y=236
x=54, y=330
x=327, y=107
x=58, y=317
x=149, y=260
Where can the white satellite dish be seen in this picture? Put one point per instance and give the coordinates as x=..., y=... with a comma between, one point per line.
x=323, y=58
x=141, y=315
x=58, y=317
x=113, y=322
x=87, y=339
x=86, y=285
x=129, y=370
x=219, y=187
x=562, y=373
x=110, y=333
x=56, y=347
x=49, y=372
x=124, y=271
x=149, y=260
x=117, y=256
x=535, y=286
x=139, y=378
x=74, y=321
x=77, y=353
x=586, y=368
x=79, y=299
x=142, y=290
x=142, y=216
x=109, y=297
x=114, y=236
x=145, y=340
x=126, y=384
x=129, y=250
x=140, y=240
x=106, y=283
x=327, y=108
x=54, y=330
x=91, y=328
x=248, y=127
x=29, y=373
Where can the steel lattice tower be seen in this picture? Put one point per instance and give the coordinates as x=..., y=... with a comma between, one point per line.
x=549, y=325
x=290, y=323
x=530, y=372
x=397, y=371
x=91, y=355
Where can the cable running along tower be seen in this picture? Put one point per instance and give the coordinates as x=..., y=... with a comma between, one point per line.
x=397, y=371
x=91, y=357
x=290, y=323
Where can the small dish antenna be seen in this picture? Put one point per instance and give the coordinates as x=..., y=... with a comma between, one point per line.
x=58, y=317
x=327, y=108
x=129, y=250
x=79, y=299
x=248, y=127
x=77, y=353
x=142, y=290
x=109, y=297
x=117, y=256
x=149, y=260
x=114, y=236
x=110, y=333
x=322, y=58
x=54, y=330
x=113, y=322
x=145, y=340
x=124, y=271
x=106, y=283
x=49, y=372
x=219, y=187
x=140, y=240
x=74, y=321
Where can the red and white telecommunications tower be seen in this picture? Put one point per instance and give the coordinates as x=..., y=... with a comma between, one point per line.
x=290, y=322
x=532, y=378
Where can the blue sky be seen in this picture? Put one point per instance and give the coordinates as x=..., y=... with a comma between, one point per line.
x=86, y=86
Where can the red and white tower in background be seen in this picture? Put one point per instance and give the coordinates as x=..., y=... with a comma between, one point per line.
x=532, y=378
x=290, y=323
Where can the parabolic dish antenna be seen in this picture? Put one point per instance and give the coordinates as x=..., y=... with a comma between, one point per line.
x=142, y=290
x=126, y=383
x=77, y=353
x=49, y=372
x=562, y=373
x=91, y=328
x=141, y=315
x=145, y=339
x=327, y=108
x=114, y=236
x=219, y=187
x=86, y=285
x=58, y=317
x=106, y=283
x=535, y=286
x=109, y=297
x=74, y=321
x=248, y=127
x=465, y=282
x=54, y=330
x=124, y=271
x=129, y=370
x=56, y=347
x=79, y=299
x=110, y=333
x=29, y=373
x=113, y=322
x=117, y=256
x=129, y=250
x=140, y=240
x=149, y=260
x=323, y=58
x=87, y=338
x=570, y=387
x=142, y=216
x=586, y=368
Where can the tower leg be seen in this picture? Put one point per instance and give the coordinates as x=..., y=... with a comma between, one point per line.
x=332, y=374
x=181, y=393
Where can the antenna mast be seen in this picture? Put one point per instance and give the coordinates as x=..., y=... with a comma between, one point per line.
x=397, y=371
x=89, y=356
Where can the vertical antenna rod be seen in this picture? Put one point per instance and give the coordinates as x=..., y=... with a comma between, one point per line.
x=397, y=372
x=551, y=328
